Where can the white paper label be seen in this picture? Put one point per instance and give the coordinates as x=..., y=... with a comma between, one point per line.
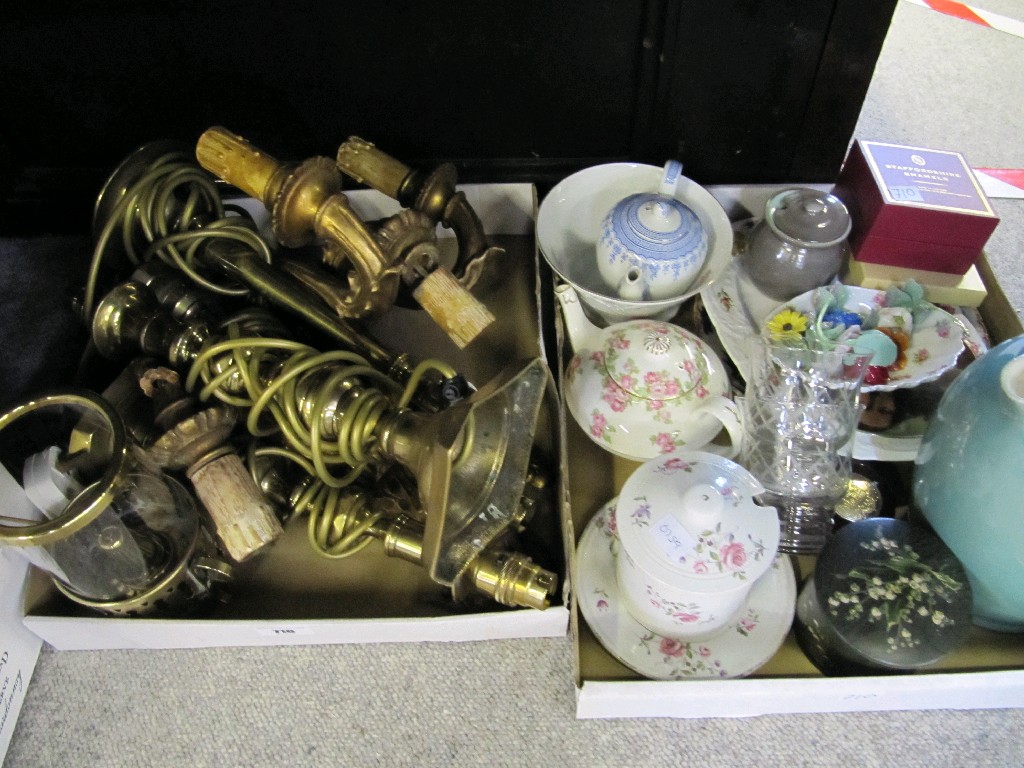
x=19, y=648
x=285, y=631
x=675, y=541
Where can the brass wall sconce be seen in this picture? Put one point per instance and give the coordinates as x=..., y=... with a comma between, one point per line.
x=307, y=204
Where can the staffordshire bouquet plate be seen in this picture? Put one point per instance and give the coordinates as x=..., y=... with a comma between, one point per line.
x=935, y=342
x=737, y=650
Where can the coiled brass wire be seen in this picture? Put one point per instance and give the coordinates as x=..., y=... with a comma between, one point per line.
x=340, y=520
x=171, y=212
x=270, y=374
x=268, y=377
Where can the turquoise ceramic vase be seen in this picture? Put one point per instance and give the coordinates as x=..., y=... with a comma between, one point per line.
x=969, y=481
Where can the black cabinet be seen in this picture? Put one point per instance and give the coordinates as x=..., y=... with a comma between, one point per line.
x=739, y=90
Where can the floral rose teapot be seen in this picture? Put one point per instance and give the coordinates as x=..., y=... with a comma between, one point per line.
x=642, y=388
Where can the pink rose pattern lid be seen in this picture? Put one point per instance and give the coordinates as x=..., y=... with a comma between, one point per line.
x=693, y=516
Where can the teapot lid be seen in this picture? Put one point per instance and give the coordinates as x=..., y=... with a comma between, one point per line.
x=808, y=217
x=656, y=226
x=691, y=517
x=654, y=360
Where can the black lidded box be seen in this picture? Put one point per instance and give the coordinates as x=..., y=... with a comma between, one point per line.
x=741, y=91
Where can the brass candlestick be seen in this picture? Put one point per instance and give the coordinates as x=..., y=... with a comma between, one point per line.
x=197, y=441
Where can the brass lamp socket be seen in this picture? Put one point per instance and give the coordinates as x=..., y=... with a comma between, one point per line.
x=513, y=579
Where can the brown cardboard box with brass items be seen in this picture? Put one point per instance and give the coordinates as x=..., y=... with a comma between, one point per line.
x=688, y=520
x=276, y=414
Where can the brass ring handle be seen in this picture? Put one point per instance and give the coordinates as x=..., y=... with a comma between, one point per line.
x=88, y=504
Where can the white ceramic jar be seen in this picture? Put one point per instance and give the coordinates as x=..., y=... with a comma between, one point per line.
x=692, y=543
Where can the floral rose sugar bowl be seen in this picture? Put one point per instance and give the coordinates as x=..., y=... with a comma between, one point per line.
x=885, y=597
x=693, y=543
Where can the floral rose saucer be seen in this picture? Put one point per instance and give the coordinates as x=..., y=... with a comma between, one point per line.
x=735, y=651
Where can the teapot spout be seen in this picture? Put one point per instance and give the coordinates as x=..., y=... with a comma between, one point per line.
x=583, y=334
x=632, y=286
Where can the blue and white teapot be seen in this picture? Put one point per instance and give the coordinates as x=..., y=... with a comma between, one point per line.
x=652, y=245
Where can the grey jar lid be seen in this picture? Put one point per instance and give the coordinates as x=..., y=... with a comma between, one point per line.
x=808, y=218
x=893, y=595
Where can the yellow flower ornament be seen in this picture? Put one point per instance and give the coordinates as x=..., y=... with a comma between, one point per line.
x=788, y=325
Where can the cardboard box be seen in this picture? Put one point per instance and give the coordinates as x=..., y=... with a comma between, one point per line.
x=914, y=207
x=290, y=595
x=986, y=673
x=967, y=290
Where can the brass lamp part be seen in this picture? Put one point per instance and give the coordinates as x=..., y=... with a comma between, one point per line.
x=434, y=194
x=509, y=578
x=114, y=455
x=243, y=519
x=175, y=292
x=128, y=321
x=360, y=515
x=98, y=444
x=306, y=203
x=197, y=576
x=470, y=462
x=296, y=296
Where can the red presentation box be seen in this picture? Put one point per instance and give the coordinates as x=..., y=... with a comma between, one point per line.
x=914, y=207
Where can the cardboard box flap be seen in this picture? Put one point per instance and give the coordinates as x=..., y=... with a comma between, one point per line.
x=19, y=648
x=754, y=697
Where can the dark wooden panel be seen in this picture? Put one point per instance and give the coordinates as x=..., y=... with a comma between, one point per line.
x=750, y=82
x=444, y=79
x=855, y=38
x=508, y=90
